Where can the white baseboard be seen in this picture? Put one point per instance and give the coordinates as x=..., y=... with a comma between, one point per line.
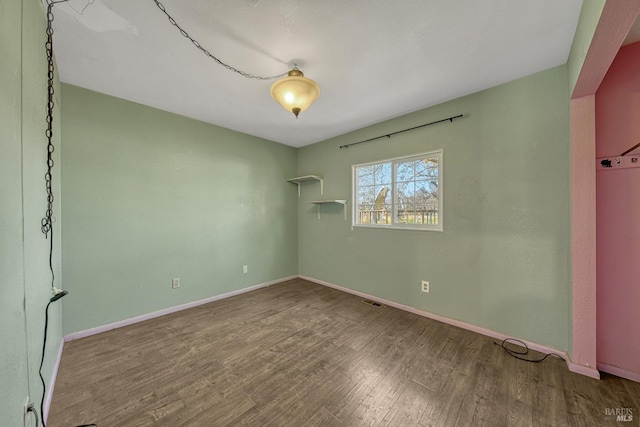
x=52, y=383
x=580, y=369
x=622, y=373
x=587, y=371
x=143, y=317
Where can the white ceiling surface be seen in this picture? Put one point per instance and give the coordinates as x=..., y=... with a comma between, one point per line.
x=634, y=33
x=373, y=59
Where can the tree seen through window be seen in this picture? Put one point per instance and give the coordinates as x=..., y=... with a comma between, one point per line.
x=404, y=192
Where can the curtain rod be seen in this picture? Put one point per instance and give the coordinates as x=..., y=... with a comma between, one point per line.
x=389, y=135
x=630, y=149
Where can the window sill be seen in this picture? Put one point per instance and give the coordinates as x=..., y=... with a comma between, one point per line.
x=398, y=227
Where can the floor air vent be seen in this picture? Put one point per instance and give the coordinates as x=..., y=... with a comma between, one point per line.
x=372, y=303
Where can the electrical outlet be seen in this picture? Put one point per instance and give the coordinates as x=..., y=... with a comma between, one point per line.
x=25, y=412
x=245, y=269
x=425, y=286
x=175, y=283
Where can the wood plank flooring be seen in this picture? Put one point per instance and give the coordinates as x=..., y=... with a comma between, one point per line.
x=301, y=354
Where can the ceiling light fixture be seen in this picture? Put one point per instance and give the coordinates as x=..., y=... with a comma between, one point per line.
x=295, y=92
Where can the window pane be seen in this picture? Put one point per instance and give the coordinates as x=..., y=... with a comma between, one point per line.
x=401, y=191
x=427, y=168
x=383, y=216
x=405, y=193
x=405, y=214
x=365, y=175
x=417, y=191
x=433, y=167
x=366, y=198
x=432, y=186
x=382, y=196
x=405, y=171
x=383, y=174
x=382, y=206
x=426, y=216
x=421, y=169
x=425, y=191
x=366, y=195
x=427, y=201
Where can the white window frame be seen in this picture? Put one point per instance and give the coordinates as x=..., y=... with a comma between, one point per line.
x=394, y=162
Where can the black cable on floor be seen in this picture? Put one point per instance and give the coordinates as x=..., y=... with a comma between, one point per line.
x=44, y=346
x=518, y=354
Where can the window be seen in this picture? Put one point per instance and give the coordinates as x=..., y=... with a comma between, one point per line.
x=399, y=193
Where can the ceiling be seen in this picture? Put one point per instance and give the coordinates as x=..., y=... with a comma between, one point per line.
x=373, y=59
x=634, y=33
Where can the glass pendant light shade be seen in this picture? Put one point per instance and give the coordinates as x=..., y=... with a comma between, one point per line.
x=295, y=92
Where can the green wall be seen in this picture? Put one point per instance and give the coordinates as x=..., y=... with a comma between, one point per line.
x=149, y=196
x=502, y=262
x=26, y=281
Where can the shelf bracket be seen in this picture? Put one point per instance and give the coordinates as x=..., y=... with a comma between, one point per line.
x=299, y=180
x=322, y=202
x=630, y=161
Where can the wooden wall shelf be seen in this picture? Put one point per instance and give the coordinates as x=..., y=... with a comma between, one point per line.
x=338, y=201
x=307, y=178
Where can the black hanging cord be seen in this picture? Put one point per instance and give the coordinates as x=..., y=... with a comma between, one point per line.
x=44, y=347
x=46, y=224
x=209, y=54
x=389, y=135
x=518, y=354
x=47, y=221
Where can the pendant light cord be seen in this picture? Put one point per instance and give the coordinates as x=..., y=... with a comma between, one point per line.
x=47, y=221
x=46, y=224
x=209, y=54
x=44, y=349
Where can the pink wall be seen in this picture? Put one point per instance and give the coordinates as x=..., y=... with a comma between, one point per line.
x=615, y=22
x=618, y=219
x=583, y=233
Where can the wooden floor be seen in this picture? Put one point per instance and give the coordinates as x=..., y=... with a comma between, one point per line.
x=301, y=354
